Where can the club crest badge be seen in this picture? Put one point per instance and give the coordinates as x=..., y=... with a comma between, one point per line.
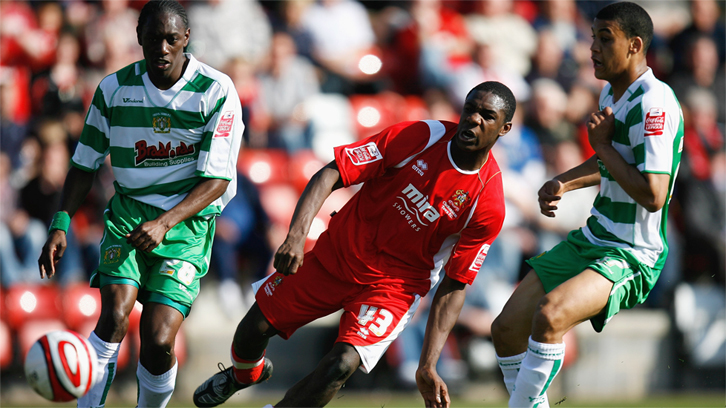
x=112, y=255
x=161, y=122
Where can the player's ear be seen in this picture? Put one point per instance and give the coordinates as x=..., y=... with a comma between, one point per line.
x=636, y=45
x=186, y=37
x=138, y=34
x=505, y=129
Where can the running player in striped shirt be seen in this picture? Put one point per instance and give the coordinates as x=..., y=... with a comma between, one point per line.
x=432, y=201
x=613, y=262
x=173, y=128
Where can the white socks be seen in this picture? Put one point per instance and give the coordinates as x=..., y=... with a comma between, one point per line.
x=155, y=390
x=107, y=358
x=510, y=367
x=539, y=367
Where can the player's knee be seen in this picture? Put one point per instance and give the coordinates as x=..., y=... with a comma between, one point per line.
x=549, y=318
x=114, y=323
x=157, y=344
x=341, y=365
x=502, y=329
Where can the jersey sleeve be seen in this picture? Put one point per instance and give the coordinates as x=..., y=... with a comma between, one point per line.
x=371, y=157
x=468, y=254
x=93, y=146
x=222, y=134
x=652, y=139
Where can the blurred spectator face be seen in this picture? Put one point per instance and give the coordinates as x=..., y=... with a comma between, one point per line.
x=548, y=102
x=581, y=101
x=705, y=14
x=115, y=6
x=69, y=50
x=163, y=38
x=50, y=17
x=493, y=8
x=283, y=49
x=559, y=10
x=55, y=164
x=704, y=60
x=701, y=105
x=567, y=155
x=549, y=55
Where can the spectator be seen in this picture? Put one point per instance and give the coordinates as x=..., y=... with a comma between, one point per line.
x=341, y=34
x=111, y=44
x=225, y=29
x=286, y=83
x=706, y=20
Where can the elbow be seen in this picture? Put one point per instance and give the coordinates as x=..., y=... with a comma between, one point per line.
x=653, y=204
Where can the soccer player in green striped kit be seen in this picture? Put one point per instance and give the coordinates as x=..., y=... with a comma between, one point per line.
x=613, y=262
x=173, y=129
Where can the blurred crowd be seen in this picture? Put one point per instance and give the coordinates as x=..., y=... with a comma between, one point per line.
x=315, y=74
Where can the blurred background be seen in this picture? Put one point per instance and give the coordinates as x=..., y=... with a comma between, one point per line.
x=312, y=75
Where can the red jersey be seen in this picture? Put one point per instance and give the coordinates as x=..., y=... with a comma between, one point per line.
x=416, y=211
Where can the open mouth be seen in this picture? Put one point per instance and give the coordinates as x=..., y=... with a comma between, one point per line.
x=596, y=63
x=467, y=135
x=162, y=64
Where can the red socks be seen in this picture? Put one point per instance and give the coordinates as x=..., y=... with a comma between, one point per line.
x=247, y=371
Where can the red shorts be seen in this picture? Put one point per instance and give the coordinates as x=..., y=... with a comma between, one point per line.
x=373, y=315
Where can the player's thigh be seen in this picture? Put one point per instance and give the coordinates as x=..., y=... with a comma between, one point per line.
x=578, y=299
x=374, y=318
x=290, y=302
x=521, y=306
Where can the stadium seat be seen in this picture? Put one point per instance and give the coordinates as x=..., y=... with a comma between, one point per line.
x=302, y=166
x=264, y=166
x=81, y=305
x=373, y=113
x=26, y=302
x=415, y=109
x=331, y=120
x=6, y=345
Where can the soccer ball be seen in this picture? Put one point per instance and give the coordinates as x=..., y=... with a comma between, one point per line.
x=61, y=366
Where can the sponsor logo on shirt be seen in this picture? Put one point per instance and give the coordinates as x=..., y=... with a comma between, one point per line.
x=415, y=208
x=161, y=122
x=654, y=122
x=224, y=127
x=479, y=260
x=270, y=286
x=158, y=156
x=132, y=100
x=420, y=167
x=368, y=153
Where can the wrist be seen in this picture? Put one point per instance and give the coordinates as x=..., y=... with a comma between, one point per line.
x=61, y=221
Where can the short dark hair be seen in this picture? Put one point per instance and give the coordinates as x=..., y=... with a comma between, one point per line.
x=503, y=92
x=631, y=18
x=157, y=7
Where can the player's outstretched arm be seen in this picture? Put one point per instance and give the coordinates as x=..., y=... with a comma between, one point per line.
x=444, y=312
x=148, y=235
x=289, y=256
x=75, y=189
x=551, y=192
x=649, y=190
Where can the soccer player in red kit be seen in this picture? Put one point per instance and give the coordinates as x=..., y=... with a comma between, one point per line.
x=432, y=199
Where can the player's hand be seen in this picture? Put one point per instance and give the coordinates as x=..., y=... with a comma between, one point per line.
x=432, y=388
x=548, y=196
x=600, y=128
x=289, y=256
x=52, y=253
x=147, y=236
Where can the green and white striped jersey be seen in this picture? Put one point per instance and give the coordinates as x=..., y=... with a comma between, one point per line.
x=649, y=135
x=161, y=143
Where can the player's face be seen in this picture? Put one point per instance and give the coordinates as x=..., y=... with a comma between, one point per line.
x=482, y=121
x=163, y=39
x=609, y=50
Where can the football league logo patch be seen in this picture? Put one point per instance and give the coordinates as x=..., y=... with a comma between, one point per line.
x=224, y=127
x=368, y=153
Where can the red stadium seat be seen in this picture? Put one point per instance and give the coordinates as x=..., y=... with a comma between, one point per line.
x=25, y=302
x=6, y=345
x=303, y=165
x=415, y=109
x=373, y=113
x=81, y=305
x=264, y=166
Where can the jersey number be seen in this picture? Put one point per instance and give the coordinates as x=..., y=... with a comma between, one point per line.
x=379, y=327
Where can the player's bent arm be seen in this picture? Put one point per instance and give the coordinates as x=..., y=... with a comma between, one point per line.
x=584, y=175
x=320, y=186
x=203, y=194
x=290, y=254
x=75, y=189
x=647, y=189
